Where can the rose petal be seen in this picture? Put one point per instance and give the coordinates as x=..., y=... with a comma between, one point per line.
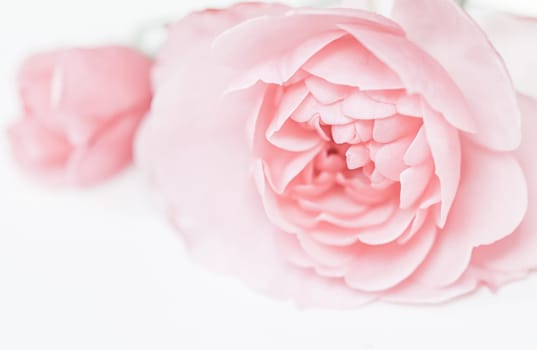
x=390, y=129
x=380, y=268
x=114, y=79
x=37, y=147
x=364, y=130
x=517, y=251
x=389, y=158
x=325, y=255
x=294, y=137
x=412, y=291
x=280, y=70
x=445, y=148
x=292, y=98
x=240, y=47
x=110, y=152
x=389, y=231
x=325, y=92
x=282, y=167
x=334, y=202
x=416, y=69
x=343, y=133
x=360, y=106
x=357, y=156
x=486, y=209
x=418, y=151
x=414, y=181
x=446, y=32
x=409, y=105
x=347, y=62
x=329, y=114
x=35, y=83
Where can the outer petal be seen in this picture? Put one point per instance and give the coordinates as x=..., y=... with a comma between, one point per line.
x=241, y=45
x=109, y=152
x=412, y=291
x=114, y=78
x=445, y=31
x=419, y=72
x=514, y=37
x=490, y=204
x=34, y=79
x=280, y=69
x=38, y=148
x=518, y=252
x=380, y=268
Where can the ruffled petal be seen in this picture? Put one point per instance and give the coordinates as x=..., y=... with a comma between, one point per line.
x=280, y=70
x=380, y=268
x=517, y=252
x=109, y=152
x=116, y=80
x=282, y=167
x=445, y=31
x=294, y=138
x=389, y=158
x=417, y=70
x=390, y=129
x=291, y=99
x=414, y=181
x=35, y=83
x=445, y=147
x=490, y=204
x=389, y=231
x=36, y=147
x=412, y=291
x=281, y=34
x=347, y=62
x=325, y=92
x=360, y=106
x=418, y=151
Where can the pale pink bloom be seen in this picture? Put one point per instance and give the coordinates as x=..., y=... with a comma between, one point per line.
x=81, y=109
x=336, y=157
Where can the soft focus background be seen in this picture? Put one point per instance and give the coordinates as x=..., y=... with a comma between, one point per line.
x=101, y=269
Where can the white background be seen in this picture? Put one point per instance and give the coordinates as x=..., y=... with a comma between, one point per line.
x=101, y=269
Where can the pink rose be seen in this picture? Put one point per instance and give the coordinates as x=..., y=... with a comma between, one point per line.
x=336, y=157
x=81, y=110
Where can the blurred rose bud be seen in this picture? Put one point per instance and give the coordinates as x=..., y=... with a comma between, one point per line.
x=81, y=110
